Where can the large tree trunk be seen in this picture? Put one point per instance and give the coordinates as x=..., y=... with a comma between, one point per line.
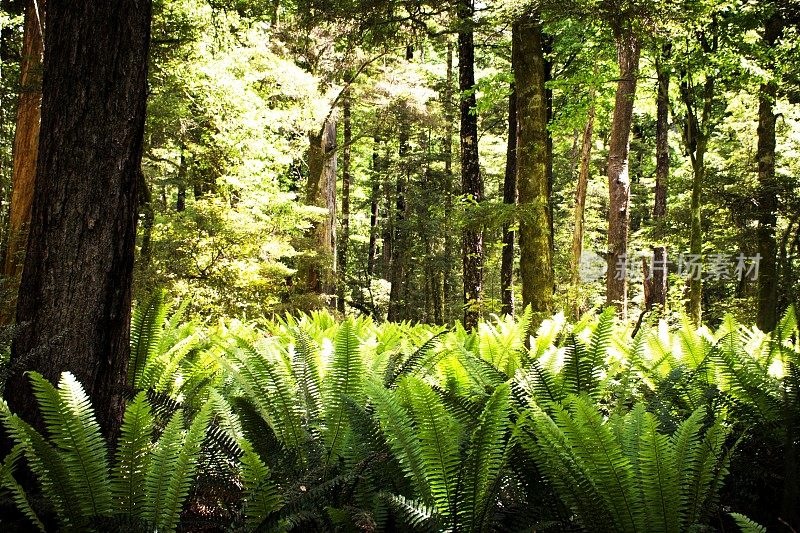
x=618, y=179
x=768, y=193
x=320, y=271
x=658, y=280
x=471, y=179
x=75, y=295
x=509, y=198
x=580, y=207
x=344, y=242
x=25, y=152
x=536, y=259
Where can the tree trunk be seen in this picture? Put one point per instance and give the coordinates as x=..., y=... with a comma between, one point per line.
x=580, y=207
x=320, y=271
x=536, y=260
x=449, y=116
x=509, y=198
x=25, y=151
x=374, y=206
x=148, y=210
x=768, y=191
x=658, y=279
x=471, y=179
x=75, y=295
x=618, y=179
x=399, y=275
x=180, y=203
x=344, y=242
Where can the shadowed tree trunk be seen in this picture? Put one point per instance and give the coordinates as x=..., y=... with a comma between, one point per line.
x=25, y=152
x=471, y=179
x=344, y=242
x=449, y=117
x=658, y=279
x=580, y=206
x=399, y=272
x=75, y=295
x=320, y=271
x=768, y=190
x=509, y=198
x=536, y=260
x=618, y=178
x=374, y=206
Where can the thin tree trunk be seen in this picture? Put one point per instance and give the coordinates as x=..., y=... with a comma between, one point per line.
x=471, y=179
x=618, y=178
x=320, y=271
x=536, y=260
x=509, y=198
x=580, y=206
x=399, y=276
x=768, y=191
x=449, y=116
x=344, y=242
x=374, y=206
x=75, y=295
x=148, y=210
x=658, y=279
x=25, y=152
x=180, y=203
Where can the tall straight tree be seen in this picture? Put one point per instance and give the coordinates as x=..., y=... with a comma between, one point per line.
x=619, y=187
x=26, y=144
x=658, y=280
x=533, y=188
x=768, y=187
x=580, y=204
x=697, y=94
x=509, y=198
x=75, y=295
x=344, y=244
x=471, y=179
x=320, y=271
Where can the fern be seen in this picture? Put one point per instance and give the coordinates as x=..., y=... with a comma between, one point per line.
x=133, y=457
x=146, y=329
x=343, y=379
x=68, y=415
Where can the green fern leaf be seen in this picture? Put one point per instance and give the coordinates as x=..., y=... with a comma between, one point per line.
x=133, y=458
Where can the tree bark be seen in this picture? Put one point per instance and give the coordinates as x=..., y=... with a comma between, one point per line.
x=75, y=295
x=449, y=116
x=374, y=206
x=344, y=242
x=580, y=206
x=399, y=275
x=509, y=198
x=658, y=280
x=536, y=259
x=320, y=271
x=471, y=179
x=618, y=178
x=25, y=152
x=768, y=191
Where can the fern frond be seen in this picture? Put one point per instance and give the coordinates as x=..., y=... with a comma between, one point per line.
x=438, y=432
x=746, y=525
x=344, y=378
x=69, y=418
x=416, y=515
x=10, y=484
x=133, y=458
x=486, y=459
x=146, y=328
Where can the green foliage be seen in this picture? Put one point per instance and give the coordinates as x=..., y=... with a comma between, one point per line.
x=147, y=484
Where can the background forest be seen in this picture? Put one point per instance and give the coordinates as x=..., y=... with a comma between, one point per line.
x=313, y=265
x=243, y=94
